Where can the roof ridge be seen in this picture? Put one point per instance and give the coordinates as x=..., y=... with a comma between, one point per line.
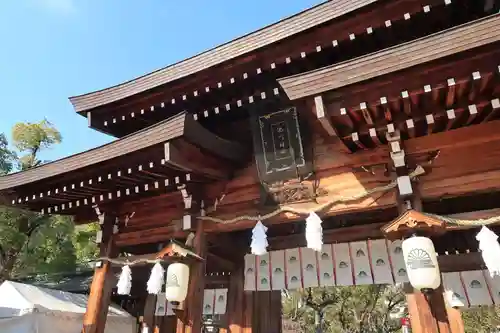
x=255, y=40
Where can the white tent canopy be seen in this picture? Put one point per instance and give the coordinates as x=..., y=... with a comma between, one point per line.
x=29, y=309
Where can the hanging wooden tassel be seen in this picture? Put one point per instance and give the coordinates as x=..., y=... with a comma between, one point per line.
x=490, y=250
x=125, y=281
x=156, y=278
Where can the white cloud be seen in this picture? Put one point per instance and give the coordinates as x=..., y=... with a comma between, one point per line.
x=58, y=6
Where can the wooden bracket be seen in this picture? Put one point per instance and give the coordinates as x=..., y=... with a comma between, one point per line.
x=192, y=204
x=177, y=250
x=411, y=222
x=323, y=117
x=398, y=157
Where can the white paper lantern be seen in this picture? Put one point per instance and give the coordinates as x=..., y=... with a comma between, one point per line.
x=421, y=263
x=177, y=281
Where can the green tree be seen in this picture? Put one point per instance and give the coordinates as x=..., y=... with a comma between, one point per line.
x=484, y=319
x=7, y=157
x=31, y=138
x=83, y=239
x=31, y=242
x=360, y=309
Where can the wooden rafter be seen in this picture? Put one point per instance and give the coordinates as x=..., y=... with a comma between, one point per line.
x=323, y=117
x=175, y=158
x=429, y=48
x=129, y=167
x=349, y=32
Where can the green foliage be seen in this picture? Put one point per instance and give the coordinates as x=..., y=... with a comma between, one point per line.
x=32, y=243
x=7, y=157
x=360, y=309
x=50, y=249
x=31, y=138
x=83, y=239
x=367, y=309
x=482, y=319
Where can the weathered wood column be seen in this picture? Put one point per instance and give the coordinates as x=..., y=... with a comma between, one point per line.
x=428, y=313
x=94, y=320
x=235, y=300
x=455, y=319
x=190, y=321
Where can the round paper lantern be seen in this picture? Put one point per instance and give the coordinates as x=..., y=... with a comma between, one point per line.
x=176, y=286
x=421, y=263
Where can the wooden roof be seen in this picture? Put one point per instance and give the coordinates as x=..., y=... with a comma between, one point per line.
x=439, y=45
x=173, y=151
x=238, y=47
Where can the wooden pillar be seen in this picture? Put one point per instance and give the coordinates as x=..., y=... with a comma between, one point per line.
x=235, y=300
x=149, y=313
x=456, y=320
x=190, y=320
x=94, y=320
x=267, y=312
x=428, y=313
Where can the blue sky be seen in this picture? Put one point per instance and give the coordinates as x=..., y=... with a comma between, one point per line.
x=53, y=49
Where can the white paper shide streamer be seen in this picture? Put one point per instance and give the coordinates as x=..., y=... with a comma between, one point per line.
x=259, y=239
x=314, y=232
x=125, y=281
x=490, y=250
x=155, y=281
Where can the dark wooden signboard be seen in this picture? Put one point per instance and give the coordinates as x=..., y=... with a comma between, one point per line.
x=278, y=145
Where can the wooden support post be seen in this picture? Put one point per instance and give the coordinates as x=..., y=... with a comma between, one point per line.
x=426, y=315
x=94, y=320
x=149, y=313
x=431, y=314
x=456, y=320
x=190, y=320
x=235, y=302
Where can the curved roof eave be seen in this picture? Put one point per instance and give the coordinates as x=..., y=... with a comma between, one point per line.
x=436, y=46
x=285, y=28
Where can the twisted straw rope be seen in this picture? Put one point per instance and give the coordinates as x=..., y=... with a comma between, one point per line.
x=415, y=173
x=128, y=263
x=470, y=223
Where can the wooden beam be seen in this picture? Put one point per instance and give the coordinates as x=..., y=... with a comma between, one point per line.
x=386, y=109
x=495, y=108
x=427, y=312
x=406, y=102
x=344, y=234
x=460, y=262
x=455, y=319
x=472, y=114
x=357, y=141
x=175, y=158
x=94, y=320
x=236, y=300
x=227, y=265
x=451, y=93
x=199, y=136
x=458, y=138
x=190, y=320
x=323, y=116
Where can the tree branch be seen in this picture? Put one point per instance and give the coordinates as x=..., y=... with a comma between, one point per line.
x=34, y=226
x=3, y=256
x=341, y=315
